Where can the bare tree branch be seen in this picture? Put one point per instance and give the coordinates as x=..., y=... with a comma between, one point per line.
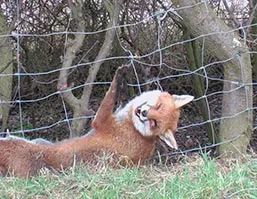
x=114, y=10
x=230, y=12
x=73, y=46
x=80, y=106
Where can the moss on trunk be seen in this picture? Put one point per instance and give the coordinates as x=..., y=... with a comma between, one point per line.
x=6, y=67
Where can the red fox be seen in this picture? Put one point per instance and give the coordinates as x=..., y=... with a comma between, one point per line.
x=130, y=132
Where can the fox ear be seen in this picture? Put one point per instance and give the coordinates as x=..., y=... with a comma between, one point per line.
x=169, y=139
x=181, y=100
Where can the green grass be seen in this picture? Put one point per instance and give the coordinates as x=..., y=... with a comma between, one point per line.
x=198, y=177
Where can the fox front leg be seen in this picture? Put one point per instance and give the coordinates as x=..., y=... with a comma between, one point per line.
x=105, y=110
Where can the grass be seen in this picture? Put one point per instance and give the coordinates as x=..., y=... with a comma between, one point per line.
x=197, y=177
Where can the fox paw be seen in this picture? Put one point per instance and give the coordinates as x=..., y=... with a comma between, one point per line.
x=121, y=83
x=121, y=73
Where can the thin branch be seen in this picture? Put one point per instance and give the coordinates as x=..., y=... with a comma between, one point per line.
x=73, y=46
x=231, y=15
x=114, y=11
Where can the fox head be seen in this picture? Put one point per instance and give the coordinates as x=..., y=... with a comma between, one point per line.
x=156, y=113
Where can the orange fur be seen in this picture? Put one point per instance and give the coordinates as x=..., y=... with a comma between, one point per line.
x=113, y=133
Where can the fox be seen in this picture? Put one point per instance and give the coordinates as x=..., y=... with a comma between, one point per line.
x=129, y=133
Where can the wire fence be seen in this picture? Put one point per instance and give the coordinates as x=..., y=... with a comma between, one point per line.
x=133, y=60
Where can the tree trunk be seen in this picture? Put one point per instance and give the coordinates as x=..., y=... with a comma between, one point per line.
x=6, y=67
x=237, y=122
x=194, y=61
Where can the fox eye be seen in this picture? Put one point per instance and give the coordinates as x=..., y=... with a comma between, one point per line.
x=159, y=106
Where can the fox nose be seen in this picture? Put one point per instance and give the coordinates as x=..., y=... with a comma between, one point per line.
x=144, y=113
